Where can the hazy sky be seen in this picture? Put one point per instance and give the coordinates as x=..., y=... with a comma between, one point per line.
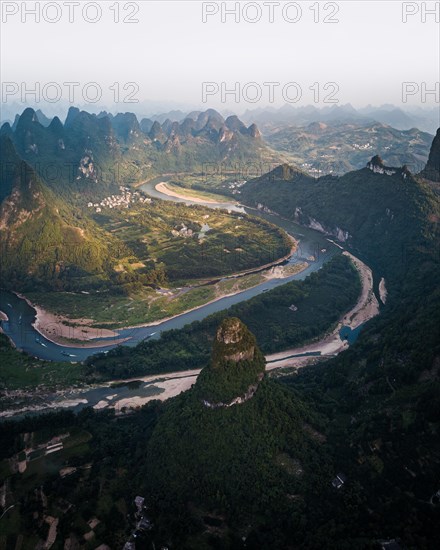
x=171, y=52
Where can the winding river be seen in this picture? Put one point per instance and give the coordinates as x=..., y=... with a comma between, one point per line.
x=21, y=316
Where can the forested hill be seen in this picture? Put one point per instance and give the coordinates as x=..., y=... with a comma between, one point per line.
x=382, y=396
x=237, y=365
x=387, y=214
x=217, y=476
x=42, y=237
x=90, y=154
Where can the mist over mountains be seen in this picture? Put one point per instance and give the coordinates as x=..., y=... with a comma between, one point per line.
x=425, y=118
x=109, y=149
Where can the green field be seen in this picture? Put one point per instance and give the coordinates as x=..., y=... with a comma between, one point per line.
x=188, y=242
x=171, y=246
x=143, y=306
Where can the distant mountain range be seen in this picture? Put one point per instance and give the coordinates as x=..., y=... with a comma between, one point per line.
x=424, y=118
x=427, y=120
x=120, y=149
x=321, y=148
x=51, y=172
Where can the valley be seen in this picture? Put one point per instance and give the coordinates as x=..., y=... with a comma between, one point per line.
x=225, y=358
x=166, y=386
x=220, y=275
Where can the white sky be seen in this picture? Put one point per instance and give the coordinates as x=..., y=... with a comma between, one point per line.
x=369, y=53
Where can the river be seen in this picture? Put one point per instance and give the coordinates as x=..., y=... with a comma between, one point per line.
x=21, y=316
x=19, y=326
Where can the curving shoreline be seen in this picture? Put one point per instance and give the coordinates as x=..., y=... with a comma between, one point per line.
x=328, y=346
x=168, y=385
x=42, y=315
x=163, y=188
x=45, y=318
x=331, y=344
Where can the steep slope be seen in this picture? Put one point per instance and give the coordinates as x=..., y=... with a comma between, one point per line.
x=432, y=169
x=237, y=366
x=41, y=239
x=234, y=466
x=79, y=156
x=381, y=212
x=90, y=152
x=382, y=395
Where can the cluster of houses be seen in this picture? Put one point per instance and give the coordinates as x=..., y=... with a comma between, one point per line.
x=235, y=186
x=311, y=169
x=381, y=169
x=182, y=232
x=362, y=147
x=123, y=200
x=49, y=447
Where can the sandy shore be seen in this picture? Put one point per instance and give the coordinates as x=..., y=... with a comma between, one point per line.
x=170, y=388
x=365, y=308
x=163, y=188
x=170, y=385
x=367, y=305
x=54, y=327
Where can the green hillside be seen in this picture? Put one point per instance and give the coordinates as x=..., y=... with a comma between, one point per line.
x=232, y=467
x=43, y=240
x=65, y=191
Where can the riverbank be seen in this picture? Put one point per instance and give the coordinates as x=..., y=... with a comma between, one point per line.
x=80, y=333
x=169, y=388
x=124, y=394
x=165, y=386
x=63, y=330
x=164, y=188
x=172, y=384
x=330, y=345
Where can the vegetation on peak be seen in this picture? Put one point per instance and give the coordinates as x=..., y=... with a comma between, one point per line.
x=377, y=161
x=233, y=342
x=236, y=364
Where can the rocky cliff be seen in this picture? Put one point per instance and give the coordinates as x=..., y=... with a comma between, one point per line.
x=237, y=366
